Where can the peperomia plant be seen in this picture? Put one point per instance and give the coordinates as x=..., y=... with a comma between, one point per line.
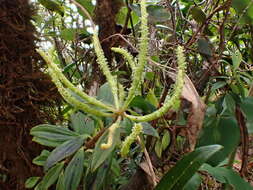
x=76, y=142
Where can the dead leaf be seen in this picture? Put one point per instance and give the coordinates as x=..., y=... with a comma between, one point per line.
x=197, y=112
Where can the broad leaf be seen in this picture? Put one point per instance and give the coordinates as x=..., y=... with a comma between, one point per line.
x=247, y=106
x=51, y=135
x=223, y=131
x=198, y=15
x=87, y=4
x=82, y=124
x=165, y=139
x=60, y=183
x=105, y=94
x=228, y=176
x=122, y=14
x=74, y=171
x=204, y=47
x=152, y=98
x=237, y=59
x=51, y=176
x=102, y=175
x=148, y=129
x=68, y=34
x=142, y=104
x=31, y=182
x=158, y=148
x=63, y=151
x=218, y=85
x=193, y=183
x=41, y=159
x=156, y=13
x=182, y=172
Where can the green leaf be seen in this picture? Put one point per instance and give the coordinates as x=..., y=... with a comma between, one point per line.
x=236, y=59
x=227, y=176
x=41, y=159
x=223, y=131
x=51, y=135
x=148, y=129
x=121, y=17
x=157, y=13
x=46, y=142
x=246, y=107
x=31, y=182
x=193, y=183
x=68, y=34
x=60, y=183
x=74, y=171
x=141, y=103
x=82, y=124
x=105, y=94
x=218, y=85
x=158, y=148
x=182, y=172
x=99, y=155
x=52, y=6
x=103, y=175
x=198, y=15
x=244, y=10
x=87, y=4
x=204, y=47
x=228, y=106
x=51, y=176
x=165, y=139
x=63, y=151
x=149, y=76
x=151, y=98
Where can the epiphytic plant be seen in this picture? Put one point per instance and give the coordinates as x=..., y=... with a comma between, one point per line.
x=71, y=142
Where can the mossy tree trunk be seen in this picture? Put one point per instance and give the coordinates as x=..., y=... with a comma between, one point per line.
x=27, y=96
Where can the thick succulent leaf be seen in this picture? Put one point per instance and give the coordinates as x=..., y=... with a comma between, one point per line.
x=182, y=172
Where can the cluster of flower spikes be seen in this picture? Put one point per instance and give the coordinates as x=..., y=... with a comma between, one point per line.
x=121, y=103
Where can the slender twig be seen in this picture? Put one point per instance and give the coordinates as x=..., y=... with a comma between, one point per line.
x=244, y=140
